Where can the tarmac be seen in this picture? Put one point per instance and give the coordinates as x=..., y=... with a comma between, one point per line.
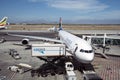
x=107, y=69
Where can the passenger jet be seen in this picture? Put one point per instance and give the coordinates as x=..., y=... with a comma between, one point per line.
x=3, y=23
x=80, y=49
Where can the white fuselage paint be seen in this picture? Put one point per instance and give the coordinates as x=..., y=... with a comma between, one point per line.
x=83, y=52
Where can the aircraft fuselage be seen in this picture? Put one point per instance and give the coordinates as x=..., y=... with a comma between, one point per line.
x=80, y=48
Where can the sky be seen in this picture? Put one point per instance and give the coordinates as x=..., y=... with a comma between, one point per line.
x=71, y=11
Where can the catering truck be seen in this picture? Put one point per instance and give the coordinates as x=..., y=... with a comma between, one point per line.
x=41, y=50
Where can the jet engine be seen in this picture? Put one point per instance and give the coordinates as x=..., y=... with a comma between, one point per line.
x=25, y=41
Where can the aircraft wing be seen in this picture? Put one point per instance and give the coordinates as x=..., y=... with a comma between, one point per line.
x=36, y=37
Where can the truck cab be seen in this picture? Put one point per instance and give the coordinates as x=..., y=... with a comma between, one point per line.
x=14, y=54
x=70, y=75
x=69, y=66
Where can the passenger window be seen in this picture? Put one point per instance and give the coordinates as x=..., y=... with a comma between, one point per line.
x=81, y=50
x=91, y=51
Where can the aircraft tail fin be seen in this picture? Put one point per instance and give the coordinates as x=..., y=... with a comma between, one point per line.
x=60, y=24
x=3, y=22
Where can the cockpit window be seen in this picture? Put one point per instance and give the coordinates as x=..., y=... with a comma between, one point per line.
x=90, y=51
x=86, y=51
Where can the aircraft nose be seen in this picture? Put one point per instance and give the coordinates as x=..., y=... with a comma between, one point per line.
x=89, y=58
x=85, y=57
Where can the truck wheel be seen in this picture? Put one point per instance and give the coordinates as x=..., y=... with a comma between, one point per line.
x=17, y=70
x=32, y=74
x=38, y=75
x=84, y=78
x=10, y=53
x=9, y=68
x=42, y=75
x=45, y=75
x=52, y=73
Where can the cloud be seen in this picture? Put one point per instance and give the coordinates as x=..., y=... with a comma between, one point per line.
x=103, y=15
x=113, y=14
x=91, y=5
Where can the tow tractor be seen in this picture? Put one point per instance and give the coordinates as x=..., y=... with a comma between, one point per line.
x=89, y=73
x=14, y=54
x=70, y=74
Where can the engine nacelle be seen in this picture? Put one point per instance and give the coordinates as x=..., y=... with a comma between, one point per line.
x=25, y=41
